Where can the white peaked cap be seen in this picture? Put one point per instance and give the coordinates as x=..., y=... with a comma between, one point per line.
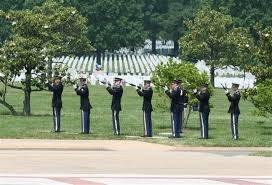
x=82, y=76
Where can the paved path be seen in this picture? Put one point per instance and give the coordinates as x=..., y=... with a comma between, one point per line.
x=103, y=179
x=127, y=162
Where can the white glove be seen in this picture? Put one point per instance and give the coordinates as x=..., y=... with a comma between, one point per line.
x=136, y=87
x=165, y=88
x=75, y=86
x=226, y=91
x=195, y=91
x=181, y=92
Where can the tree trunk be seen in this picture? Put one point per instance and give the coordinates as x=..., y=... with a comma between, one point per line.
x=98, y=56
x=154, y=49
x=212, y=62
x=212, y=74
x=176, y=48
x=27, y=91
x=10, y=107
x=50, y=69
x=5, y=89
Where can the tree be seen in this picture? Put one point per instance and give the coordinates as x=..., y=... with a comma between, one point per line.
x=113, y=24
x=4, y=25
x=263, y=56
x=154, y=11
x=248, y=12
x=239, y=48
x=206, y=37
x=38, y=35
x=65, y=32
x=260, y=96
x=191, y=78
x=173, y=21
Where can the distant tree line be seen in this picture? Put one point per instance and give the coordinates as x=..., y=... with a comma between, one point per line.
x=221, y=32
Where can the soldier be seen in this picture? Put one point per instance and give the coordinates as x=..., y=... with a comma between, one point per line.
x=203, y=97
x=116, y=91
x=175, y=108
x=146, y=92
x=85, y=106
x=234, y=109
x=184, y=102
x=57, y=88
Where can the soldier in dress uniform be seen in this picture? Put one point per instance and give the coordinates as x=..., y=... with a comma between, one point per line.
x=203, y=97
x=234, y=109
x=174, y=95
x=117, y=92
x=184, y=103
x=146, y=92
x=57, y=88
x=85, y=106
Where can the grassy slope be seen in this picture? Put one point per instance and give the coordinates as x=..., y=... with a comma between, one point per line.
x=254, y=131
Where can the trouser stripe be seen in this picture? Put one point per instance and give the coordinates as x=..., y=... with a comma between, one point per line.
x=234, y=126
x=56, y=119
x=82, y=121
x=145, y=127
x=173, y=125
x=202, y=124
x=115, y=122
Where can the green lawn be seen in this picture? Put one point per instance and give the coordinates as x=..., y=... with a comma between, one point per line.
x=254, y=131
x=262, y=154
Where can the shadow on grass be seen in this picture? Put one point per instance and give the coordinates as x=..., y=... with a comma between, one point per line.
x=267, y=133
x=260, y=122
x=163, y=126
x=5, y=113
x=266, y=127
x=41, y=115
x=195, y=128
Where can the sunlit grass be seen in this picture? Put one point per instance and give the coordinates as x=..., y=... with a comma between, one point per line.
x=254, y=131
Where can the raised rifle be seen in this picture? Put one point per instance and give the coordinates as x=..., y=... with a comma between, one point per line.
x=133, y=85
x=103, y=82
x=224, y=87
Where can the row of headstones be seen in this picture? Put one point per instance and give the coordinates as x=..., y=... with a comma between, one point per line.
x=118, y=63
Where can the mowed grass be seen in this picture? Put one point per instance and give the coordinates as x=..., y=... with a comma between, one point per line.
x=254, y=130
x=262, y=154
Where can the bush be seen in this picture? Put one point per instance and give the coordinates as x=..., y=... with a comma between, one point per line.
x=261, y=97
x=190, y=76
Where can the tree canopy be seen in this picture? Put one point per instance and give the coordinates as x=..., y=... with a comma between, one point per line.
x=113, y=24
x=38, y=35
x=206, y=38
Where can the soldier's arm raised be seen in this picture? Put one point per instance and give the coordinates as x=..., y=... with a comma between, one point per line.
x=234, y=97
x=117, y=91
x=109, y=89
x=147, y=93
x=55, y=88
x=174, y=94
x=202, y=96
x=82, y=91
x=140, y=93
